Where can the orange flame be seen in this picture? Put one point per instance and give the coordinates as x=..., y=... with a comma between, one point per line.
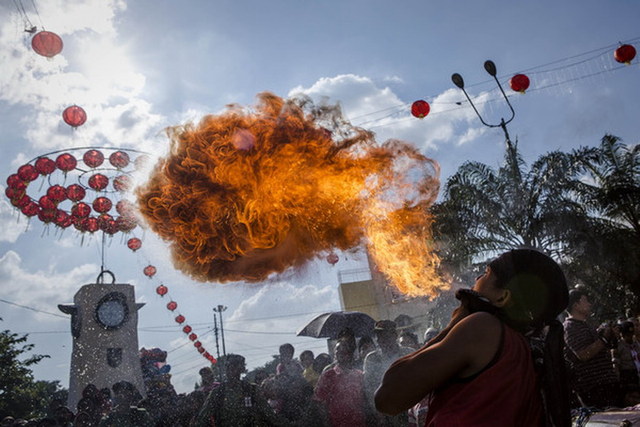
x=248, y=193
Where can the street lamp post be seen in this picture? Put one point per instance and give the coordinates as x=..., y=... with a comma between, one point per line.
x=490, y=67
x=219, y=309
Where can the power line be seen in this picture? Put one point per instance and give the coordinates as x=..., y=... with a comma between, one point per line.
x=32, y=309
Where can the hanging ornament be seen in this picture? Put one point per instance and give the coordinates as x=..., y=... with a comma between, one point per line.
x=119, y=159
x=197, y=344
x=193, y=336
x=180, y=319
x=93, y=158
x=28, y=173
x=122, y=183
x=420, y=109
x=134, y=244
x=332, y=258
x=172, y=305
x=57, y=193
x=187, y=329
x=624, y=54
x=74, y=116
x=45, y=166
x=161, y=290
x=98, y=182
x=66, y=162
x=81, y=210
x=75, y=192
x=45, y=202
x=102, y=205
x=149, y=271
x=30, y=209
x=47, y=44
x=519, y=83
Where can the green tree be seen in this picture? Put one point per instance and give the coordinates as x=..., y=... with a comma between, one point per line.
x=20, y=395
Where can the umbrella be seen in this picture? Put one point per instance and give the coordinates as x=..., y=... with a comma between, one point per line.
x=329, y=325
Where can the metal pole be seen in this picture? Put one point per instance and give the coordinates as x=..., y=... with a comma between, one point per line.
x=215, y=331
x=222, y=308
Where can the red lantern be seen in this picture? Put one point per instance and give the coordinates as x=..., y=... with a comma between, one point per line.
x=102, y=204
x=90, y=224
x=107, y=224
x=12, y=193
x=75, y=192
x=63, y=219
x=162, y=290
x=30, y=209
x=81, y=210
x=14, y=181
x=332, y=258
x=172, y=305
x=119, y=159
x=45, y=166
x=519, y=83
x=98, y=182
x=180, y=318
x=124, y=207
x=206, y=355
x=47, y=44
x=134, y=243
x=187, y=329
x=201, y=349
x=122, y=183
x=46, y=203
x=149, y=271
x=66, y=162
x=624, y=54
x=74, y=116
x=20, y=201
x=420, y=109
x=57, y=193
x=93, y=158
x=193, y=337
x=197, y=344
x=28, y=173
x=47, y=215
x=125, y=224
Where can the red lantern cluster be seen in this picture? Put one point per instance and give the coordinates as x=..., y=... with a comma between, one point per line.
x=49, y=207
x=624, y=54
x=519, y=83
x=47, y=44
x=420, y=109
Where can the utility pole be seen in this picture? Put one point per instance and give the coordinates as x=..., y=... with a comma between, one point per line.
x=219, y=309
x=215, y=331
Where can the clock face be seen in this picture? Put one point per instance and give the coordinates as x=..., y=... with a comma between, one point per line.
x=112, y=311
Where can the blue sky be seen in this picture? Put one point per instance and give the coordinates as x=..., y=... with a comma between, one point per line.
x=138, y=67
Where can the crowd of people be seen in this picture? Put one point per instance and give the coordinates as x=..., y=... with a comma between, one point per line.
x=505, y=359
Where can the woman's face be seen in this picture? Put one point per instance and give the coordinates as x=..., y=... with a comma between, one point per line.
x=486, y=285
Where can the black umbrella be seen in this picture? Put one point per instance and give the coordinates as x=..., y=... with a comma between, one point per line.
x=329, y=325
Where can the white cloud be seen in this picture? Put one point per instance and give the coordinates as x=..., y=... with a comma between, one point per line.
x=13, y=223
x=41, y=289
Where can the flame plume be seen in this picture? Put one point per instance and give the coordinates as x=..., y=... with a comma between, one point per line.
x=245, y=194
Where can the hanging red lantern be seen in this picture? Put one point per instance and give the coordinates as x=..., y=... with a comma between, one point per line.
x=107, y=224
x=134, y=243
x=149, y=271
x=124, y=207
x=47, y=215
x=519, y=83
x=93, y=158
x=206, y=355
x=420, y=109
x=122, y=183
x=180, y=319
x=81, y=210
x=161, y=290
x=63, y=219
x=45, y=202
x=75, y=192
x=20, y=201
x=74, y=116
x=197, y=344
x=98, y=182
x=200, y=350
x=102, y=204
x=193, y=336
x=125, y=224
x=119, y=159
x=90, y=224
x=332, y=258
x=12, y=193
x=45, y=166
x=66, y=162
x=57, y=193
x=187, y=329
x=14, y=181
x=172, y=305
x=28, y=173
x=30, y=209
x=47, y=44
x=624, y=54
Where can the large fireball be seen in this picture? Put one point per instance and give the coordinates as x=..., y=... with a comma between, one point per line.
x=248, y=193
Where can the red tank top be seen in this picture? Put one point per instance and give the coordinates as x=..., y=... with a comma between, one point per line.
x=504, y=394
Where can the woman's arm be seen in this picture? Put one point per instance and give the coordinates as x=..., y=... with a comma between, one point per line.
x=468, y=347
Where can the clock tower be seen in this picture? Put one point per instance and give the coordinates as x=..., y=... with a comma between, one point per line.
x=104, y=326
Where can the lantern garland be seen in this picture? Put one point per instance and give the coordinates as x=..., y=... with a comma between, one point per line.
x=86, y=214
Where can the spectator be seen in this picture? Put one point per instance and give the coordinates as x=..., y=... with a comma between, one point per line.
x=588, y=355
x=377, y=362
x=236, y=403
x=409, y=340
x=287, y=364
x=125, y=412
x=309, y=374
x=341, y=390
x=207, y=380
x=626, y=358
x=365, y=346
